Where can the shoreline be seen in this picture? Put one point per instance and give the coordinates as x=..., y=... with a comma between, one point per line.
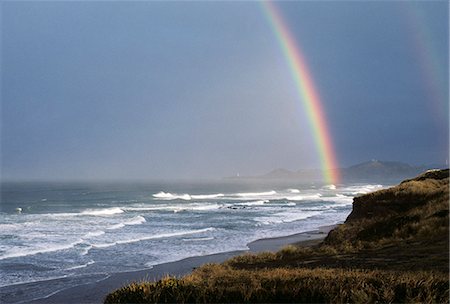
x=96, y=291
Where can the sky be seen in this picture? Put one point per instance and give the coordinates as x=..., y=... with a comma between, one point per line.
x=170, y=90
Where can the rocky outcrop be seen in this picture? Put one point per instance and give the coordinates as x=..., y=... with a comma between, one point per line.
x=407, y=195
x=416, y=210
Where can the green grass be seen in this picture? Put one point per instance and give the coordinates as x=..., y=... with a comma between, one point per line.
x=394, y=247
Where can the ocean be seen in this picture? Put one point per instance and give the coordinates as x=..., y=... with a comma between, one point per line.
x=84, y=231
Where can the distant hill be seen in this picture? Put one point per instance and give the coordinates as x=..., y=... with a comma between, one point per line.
x=370, y=171
x=280, y=174
x=381, y=171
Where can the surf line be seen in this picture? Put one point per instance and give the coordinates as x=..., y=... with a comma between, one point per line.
x=306, y=92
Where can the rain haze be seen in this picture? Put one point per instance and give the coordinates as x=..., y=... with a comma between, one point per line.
x=168, y=90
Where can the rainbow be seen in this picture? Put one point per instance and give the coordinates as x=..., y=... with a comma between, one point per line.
x=306, y=91
x=434, y=73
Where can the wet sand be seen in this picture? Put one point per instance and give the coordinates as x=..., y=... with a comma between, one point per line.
x=99, y=286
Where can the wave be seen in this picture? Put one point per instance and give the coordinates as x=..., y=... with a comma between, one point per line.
x=11, y=227
x=48, y=248
x=251, y=194
x=330, y=187
x=177, y=207
x=286, y=217
x=196, y=207
x=293, y=190
x=152, y=237
x=134, y=221
x=207, y=196
x=89, y=212
x=81, y=266
x=116, y=226
x=93, y=234
x=362, y=189
x=170, y=196
x=253, y=203
x=107, y=211
x=187, y=197
x=199, y=239
x=85, y=249
x=342, y=199
x=290, y=204
x=310, y=197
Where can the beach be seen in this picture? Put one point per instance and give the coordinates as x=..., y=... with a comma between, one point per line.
x=95, y=291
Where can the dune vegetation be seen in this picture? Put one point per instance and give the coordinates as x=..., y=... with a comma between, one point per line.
x=393, y=247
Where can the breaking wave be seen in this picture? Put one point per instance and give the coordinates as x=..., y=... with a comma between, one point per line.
x=134, y=221
x=21, y=252
x=152, y=237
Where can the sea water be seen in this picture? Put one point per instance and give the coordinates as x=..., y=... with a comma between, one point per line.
x=68, y=230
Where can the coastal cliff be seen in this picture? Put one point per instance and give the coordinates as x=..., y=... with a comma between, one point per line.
x=426, y=188
x=393, y=247
x=415, y=211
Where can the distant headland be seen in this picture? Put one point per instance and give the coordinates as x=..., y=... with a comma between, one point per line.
x=369, y=171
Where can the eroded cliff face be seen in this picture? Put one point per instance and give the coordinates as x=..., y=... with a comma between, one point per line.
x=416, y=210
x=408, y=195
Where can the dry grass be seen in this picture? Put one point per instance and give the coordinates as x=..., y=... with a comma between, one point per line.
x=414, y=210
x=224, y=284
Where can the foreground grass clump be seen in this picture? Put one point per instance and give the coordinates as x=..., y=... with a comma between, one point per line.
x=223, y=284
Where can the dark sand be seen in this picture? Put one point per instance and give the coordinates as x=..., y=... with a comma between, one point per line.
x=99, y=286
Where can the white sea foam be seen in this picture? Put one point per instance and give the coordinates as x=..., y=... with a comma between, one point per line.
x=207, y=196
x=252, y=203
x=306, y=197
x=148, y=208
x=342, y=199
x=93, y=234
x=286, y=217
x=10, y=227
x=293, y=190
x=137, y=220
x=170, y=196
x=202, y=207
x=187, y=197
x=86, y=249
x=15, y=252
x=101, y=212
x=199, y=239
x=81, y=266
x=152, y=237
x=177, y=207
x=330, y=187
x=253, y=194
x=362, y=189
x=88, y=212
x=116, y=226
